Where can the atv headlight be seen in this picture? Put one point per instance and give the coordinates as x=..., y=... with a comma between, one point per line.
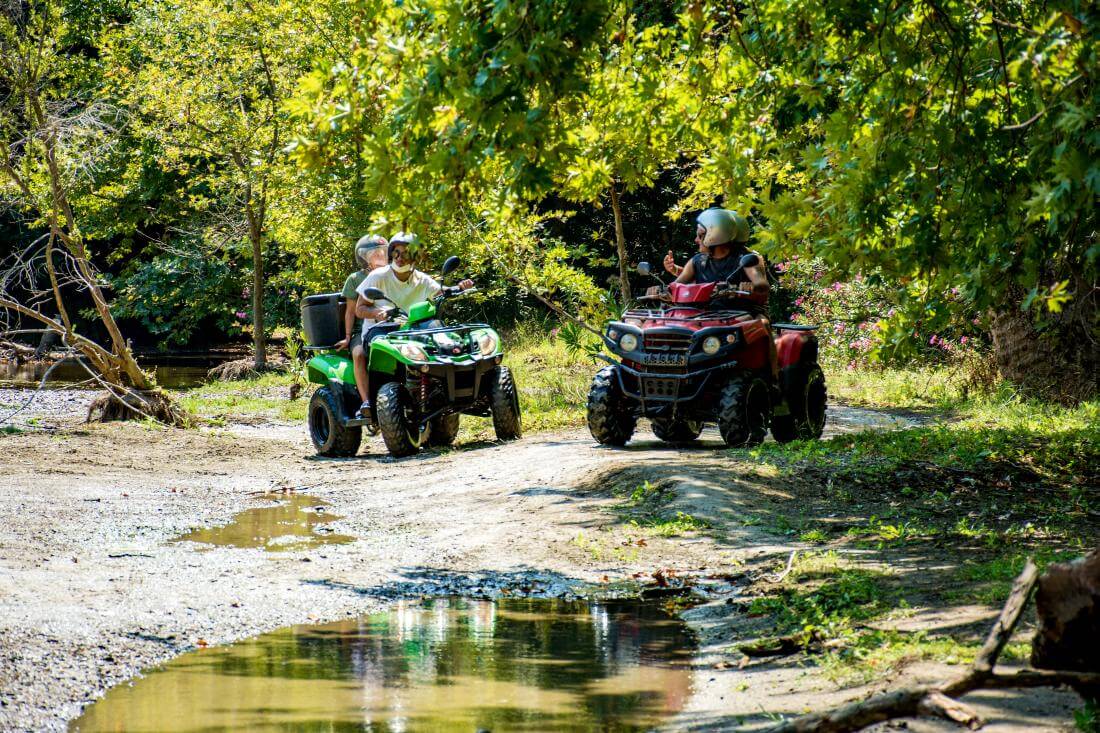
x=711, y=345
x=628, y=342
x=487, y=344
x=412, y=351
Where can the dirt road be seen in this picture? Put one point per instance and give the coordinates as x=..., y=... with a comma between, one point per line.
x=93, y=588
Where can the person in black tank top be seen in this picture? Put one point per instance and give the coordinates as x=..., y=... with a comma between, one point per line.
x=724, y=234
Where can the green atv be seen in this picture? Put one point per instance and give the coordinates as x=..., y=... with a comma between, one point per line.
x=423, y=376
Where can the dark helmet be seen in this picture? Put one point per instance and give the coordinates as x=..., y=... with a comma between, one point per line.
x=363, y=247
x=722, y=227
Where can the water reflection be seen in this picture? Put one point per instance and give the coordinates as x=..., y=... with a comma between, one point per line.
x=434, y=666
x=295, y=522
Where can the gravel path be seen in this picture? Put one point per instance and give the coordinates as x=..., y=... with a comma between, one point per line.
x=93, y=588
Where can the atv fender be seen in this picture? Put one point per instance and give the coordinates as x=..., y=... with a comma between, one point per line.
x=330, y=367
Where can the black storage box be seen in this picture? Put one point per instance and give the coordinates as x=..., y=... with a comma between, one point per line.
x=323, y=319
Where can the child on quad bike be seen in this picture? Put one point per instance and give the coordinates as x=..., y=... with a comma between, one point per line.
x=370, y=254
x=402, y=284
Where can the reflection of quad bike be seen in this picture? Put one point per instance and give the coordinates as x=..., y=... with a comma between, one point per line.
x=423, y=376
x=684, y=364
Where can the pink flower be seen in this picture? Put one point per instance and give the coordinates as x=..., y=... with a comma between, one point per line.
x=781, y=266
x=976, y=321
x=799, y=300
x=241, y=315
x=838, y=328
x=852, y=365
x=963, y=339
x=838, y=287
x=863, y=326
x=934, y=340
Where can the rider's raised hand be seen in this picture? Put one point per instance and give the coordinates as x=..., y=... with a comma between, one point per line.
x=670, y=264
x=466, y=284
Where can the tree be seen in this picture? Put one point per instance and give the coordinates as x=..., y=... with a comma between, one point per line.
x=940, y=145
x=208, y=81
x=622, y=135
x=54, y=124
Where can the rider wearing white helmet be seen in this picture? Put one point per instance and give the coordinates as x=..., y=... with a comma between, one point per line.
x=723, y=235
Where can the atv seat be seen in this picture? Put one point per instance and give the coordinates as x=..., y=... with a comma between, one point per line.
x=794, y=327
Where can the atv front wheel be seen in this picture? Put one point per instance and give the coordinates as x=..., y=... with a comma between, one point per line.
x=443, y=429
x=504, y=405
x=397, y=420
x=676, y=431
x=326, y=426
x=609, y=417
x=744, y=411
x=804, y=389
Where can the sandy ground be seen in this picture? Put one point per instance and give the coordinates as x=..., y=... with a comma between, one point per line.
x=92, y=588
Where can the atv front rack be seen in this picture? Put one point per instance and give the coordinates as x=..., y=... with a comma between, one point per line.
x=649, y=314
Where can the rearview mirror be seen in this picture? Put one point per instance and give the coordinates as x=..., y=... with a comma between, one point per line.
x=750, y=260
x=374, y=294
x=644, y=268
x=450, y=265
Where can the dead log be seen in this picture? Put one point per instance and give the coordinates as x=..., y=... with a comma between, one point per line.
x=1067, y=602
x=941, y=700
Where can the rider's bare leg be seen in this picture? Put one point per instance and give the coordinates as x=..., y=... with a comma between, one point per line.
x=773, y=354
x=362, y=379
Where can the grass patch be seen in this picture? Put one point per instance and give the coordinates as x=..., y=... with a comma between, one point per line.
x=932, y=387
x=553, y=385
x=843, y=607
x=265, y=396
x=1007, y=474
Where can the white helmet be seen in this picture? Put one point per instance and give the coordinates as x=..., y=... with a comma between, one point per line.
x=722, y=227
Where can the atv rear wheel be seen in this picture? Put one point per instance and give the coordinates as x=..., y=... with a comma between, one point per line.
x=397, y=420
x=807, y=397
x=326, y=425
x=609, y=418
x=676, y=431
x=504, y=405
x=744, y=411
x=443, y=429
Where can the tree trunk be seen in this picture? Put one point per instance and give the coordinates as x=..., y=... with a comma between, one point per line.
x=259, y=340
x=1059, y=360
x=620, y=244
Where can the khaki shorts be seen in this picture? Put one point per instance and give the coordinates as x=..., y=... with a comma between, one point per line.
x=356, y=340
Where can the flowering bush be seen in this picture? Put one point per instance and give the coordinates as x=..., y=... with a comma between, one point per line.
x=866, y=321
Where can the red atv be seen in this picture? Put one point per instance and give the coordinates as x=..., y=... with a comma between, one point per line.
x=694, y=360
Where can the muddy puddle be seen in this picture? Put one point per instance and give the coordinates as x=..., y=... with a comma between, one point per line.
x=292, y=522
x=441, y=665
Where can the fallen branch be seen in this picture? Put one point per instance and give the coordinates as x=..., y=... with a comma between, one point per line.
x=940, y=700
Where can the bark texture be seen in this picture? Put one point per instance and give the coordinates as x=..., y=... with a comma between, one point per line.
x=1058, y=359
x=1067, y=602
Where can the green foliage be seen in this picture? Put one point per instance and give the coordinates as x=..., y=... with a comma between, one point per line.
x=174, y=295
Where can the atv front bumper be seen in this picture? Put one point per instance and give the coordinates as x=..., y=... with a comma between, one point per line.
x=659, y=393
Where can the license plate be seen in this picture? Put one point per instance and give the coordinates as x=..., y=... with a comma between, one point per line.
x=652, y=359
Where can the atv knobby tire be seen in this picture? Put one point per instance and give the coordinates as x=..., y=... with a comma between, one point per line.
x=443, y=429
x=326, y=426
x=676, y=431
x=609, y=417
x=504, y=404
x=744, y=411
x=804, y=388
x=393, y=406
